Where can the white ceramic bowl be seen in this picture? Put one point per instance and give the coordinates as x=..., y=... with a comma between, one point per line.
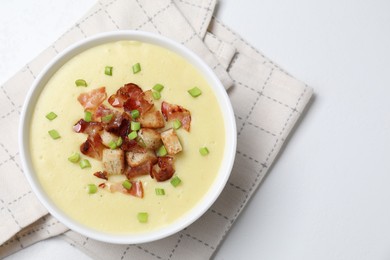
x=211, y=195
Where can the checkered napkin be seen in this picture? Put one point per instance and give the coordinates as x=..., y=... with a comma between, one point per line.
x=267, y=103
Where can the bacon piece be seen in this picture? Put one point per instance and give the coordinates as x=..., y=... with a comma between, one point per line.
x=119, y=124
x=102, y=111
x=131, y=97
x=164, y=169
x=93, y=147
x=172, y=112
x=101, y=175
x=143, y=169
x=90, y=128
x=92, y=99
x=131, y=145
x=135, y=190
x=129, y=90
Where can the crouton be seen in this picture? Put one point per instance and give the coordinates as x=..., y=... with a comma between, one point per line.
x=151, y=138
x=152, y=119
x=113, y=161
x=171, y=141
x=135, y=159
x=108, y=137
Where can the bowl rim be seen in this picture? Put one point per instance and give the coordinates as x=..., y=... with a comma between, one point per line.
x=226, y=109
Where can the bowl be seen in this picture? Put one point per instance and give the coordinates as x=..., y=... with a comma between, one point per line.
x=194, y=213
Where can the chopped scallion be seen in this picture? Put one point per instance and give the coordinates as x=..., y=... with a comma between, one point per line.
x=127, y=184
x=175, y=181
x=84, y=164
x=162, y=151
x=108, y=70
x=119, y=141
x=107, y=118
x=112, y=144
x=158, y=87
x=204, y=151
x=142, y=217
x=156, y=95
x=136, y=68
x=132, y=135
x=195, y=92
x=92, y=188
x=74, y=158
x=176, y=124
x=54, y=134
x=135, y=126
x=160, y=191
x=51, y=116
x=81, y=83
x=134, y=114
x=87, y=116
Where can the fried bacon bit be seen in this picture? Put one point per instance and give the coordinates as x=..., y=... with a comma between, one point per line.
x=102, y=111
x=102, y=175
x=90, y=128
x=135, y=190
x=92, y=99
x=93, y=147
x=119, y=124
x=172, y=112
x=163, y=170
x=131, y=97
x=132, y=145
x=102, y=185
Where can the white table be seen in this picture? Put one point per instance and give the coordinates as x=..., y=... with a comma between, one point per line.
x=327, y=197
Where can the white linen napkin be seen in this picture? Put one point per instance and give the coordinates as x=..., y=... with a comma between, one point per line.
x=267, y=103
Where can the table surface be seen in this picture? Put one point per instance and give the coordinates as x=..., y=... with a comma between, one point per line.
x=327, y=196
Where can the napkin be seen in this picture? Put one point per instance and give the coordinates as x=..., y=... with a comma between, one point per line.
x=267, y=102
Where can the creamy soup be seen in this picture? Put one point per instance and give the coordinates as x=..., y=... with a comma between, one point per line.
x=65, y=182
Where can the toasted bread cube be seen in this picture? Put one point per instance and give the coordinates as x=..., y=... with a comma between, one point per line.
x=135, y=159
x=107, y=137
x=149, y=96
x=113, y=161
x=152, y=119
x=171, y=141
x=151, y=138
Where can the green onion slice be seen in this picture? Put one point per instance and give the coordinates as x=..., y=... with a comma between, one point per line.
x=112, y=144
x=84, y=164
x=135, y=126
x=92, y=188
x=108, y=70
x=204, y=151
x=51, y=116
x=119, y=141
x=195, y=92
x=158, y=87
x=127, y=184
x=156, y=95
x=107, y=118
x=136, y=68
x=132, y=135
x=80, y=83
x=175, y=181
x=54, y=134
x=162, y=151
x=87, y=116
x=176, y=124
x=134, y=114
x=142, y=217
x=74, y=158
x=160, y=191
